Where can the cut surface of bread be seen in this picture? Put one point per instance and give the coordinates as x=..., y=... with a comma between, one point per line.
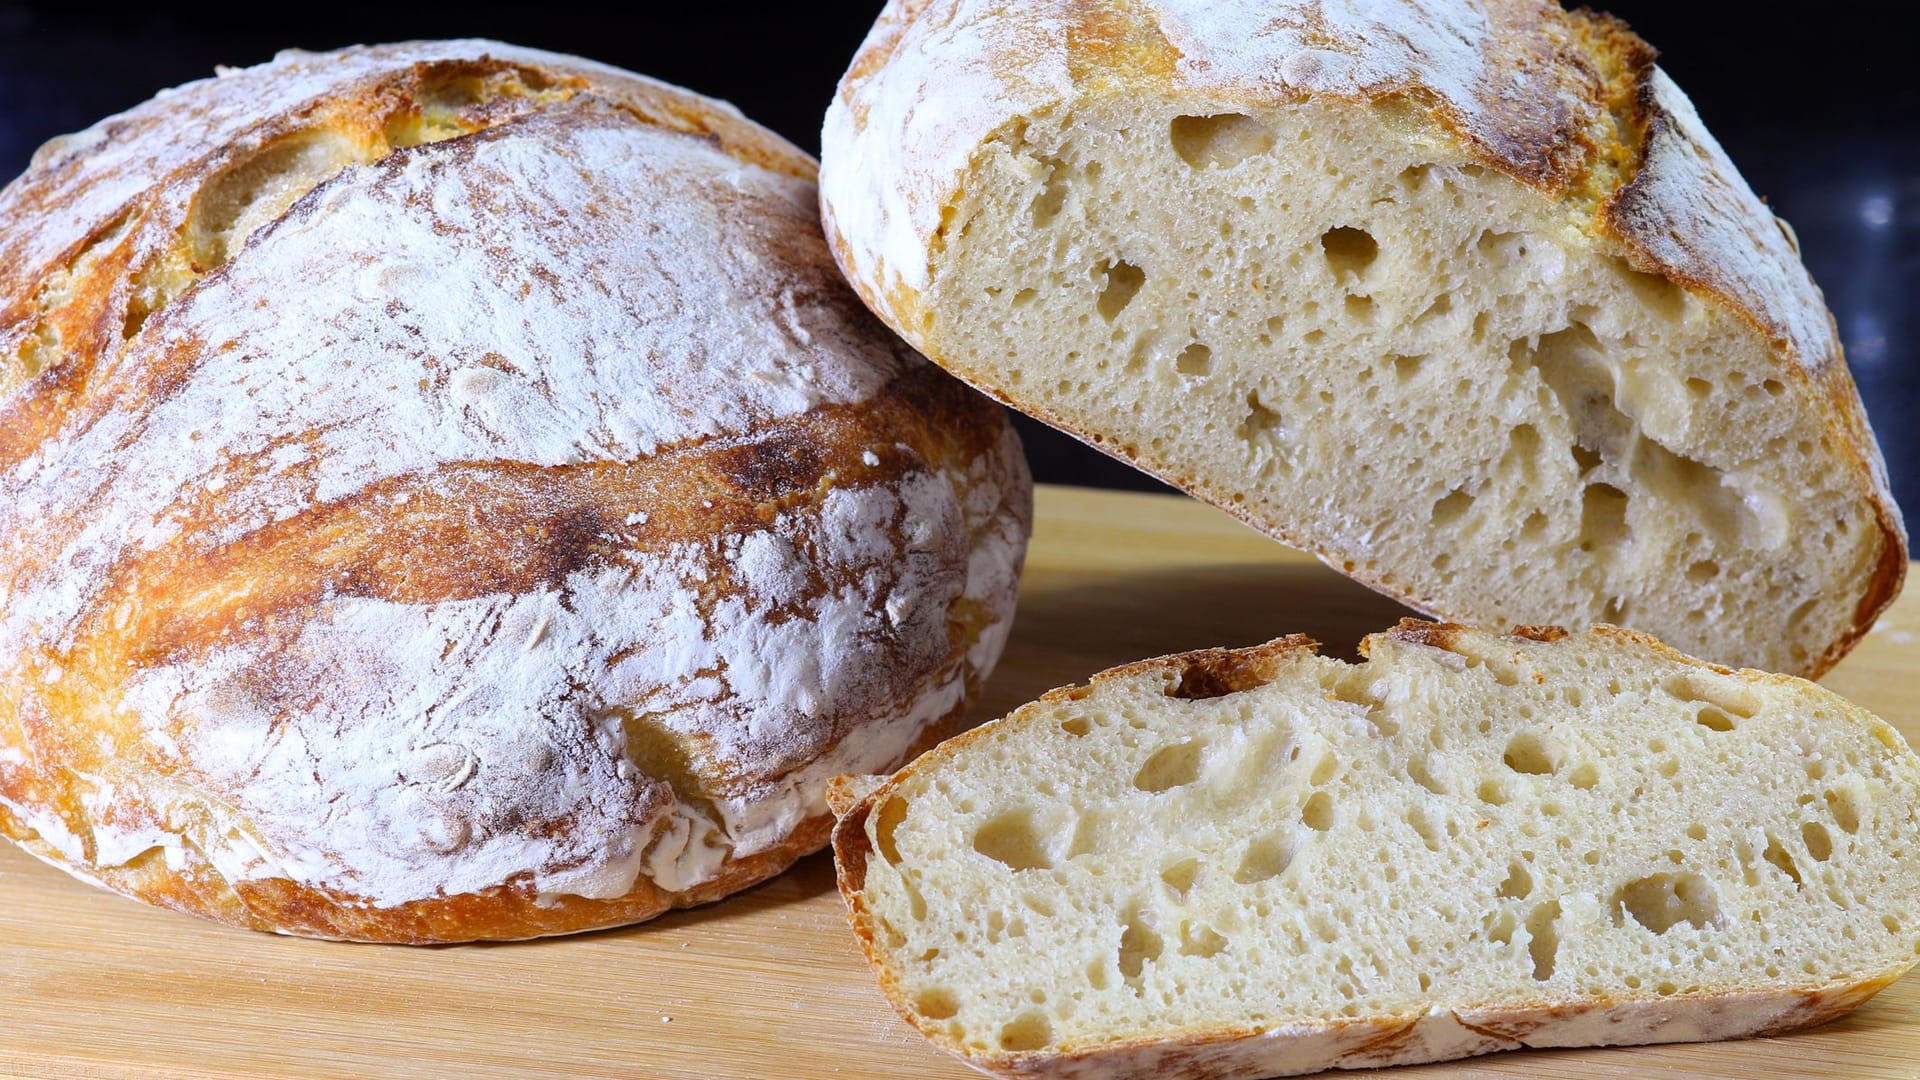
x=1262, y=861
x=1459, y=296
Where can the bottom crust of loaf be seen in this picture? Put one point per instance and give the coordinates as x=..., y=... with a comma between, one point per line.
x=506, y=913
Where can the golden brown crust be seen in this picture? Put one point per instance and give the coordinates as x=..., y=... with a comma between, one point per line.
x=213, y=616
x=506, y=913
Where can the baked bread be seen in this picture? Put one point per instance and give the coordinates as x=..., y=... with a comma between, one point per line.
x=447, y=492
x=1458, y=295
x=1255, y=862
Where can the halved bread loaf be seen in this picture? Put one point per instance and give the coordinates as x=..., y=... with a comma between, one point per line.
x=1263, y=861
x=1458, y=295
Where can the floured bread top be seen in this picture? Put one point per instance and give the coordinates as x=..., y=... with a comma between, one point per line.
x=436, y=467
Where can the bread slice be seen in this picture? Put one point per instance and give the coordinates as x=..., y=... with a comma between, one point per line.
x=1262, y=861
x=1458, y=295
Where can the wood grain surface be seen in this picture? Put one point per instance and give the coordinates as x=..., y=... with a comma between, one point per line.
x=768, y=983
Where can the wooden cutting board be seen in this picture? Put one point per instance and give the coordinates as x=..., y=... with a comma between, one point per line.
x=769, y=983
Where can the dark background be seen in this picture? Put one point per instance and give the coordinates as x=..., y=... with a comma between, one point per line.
x=1818, y=104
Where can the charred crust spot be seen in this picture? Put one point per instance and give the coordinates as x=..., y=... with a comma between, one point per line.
x=1216, y=673
x=768, y=468
x=1431, y=634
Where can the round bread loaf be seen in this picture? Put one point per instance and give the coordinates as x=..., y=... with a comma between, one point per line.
x=448, y=493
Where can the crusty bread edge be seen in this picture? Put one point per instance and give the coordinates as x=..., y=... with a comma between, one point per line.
x=1313, y=1046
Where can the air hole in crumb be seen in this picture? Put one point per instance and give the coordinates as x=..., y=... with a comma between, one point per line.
x=1195, y=359
x=1349, y=250
x=1519, y=882
x=1318, y=812
x=1530, y=752
x=1028, y=1031
x=1015, y=840
x=1200, y=941
x=1543, y=946
x=1170, y=767
x=1180, y=876
x=1603, y=517
x=1123, y=281
x=1781, y=861
x=1845, y=808
x=1097, y=975
x=1076, y=726
x=1818, y=840
x=1774, y=387
x=1493, y=792
x=937, y=1003
x=1704, y=570
x=1451, y=508
x=1053, y=195
x=1718, y=691
x=1359, y=308
x=1502, y=246
x=892, y=813
x=1260, y=423
x=1265, y=857
x=1523, y=442
x=1713, y=719
x=1139, y=946
x=1499, y=927
x=1661, y=901
x=1220, y=141
x=1406, y=367
x=1696, y=831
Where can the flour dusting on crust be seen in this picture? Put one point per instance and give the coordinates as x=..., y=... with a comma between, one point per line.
x=524, y=518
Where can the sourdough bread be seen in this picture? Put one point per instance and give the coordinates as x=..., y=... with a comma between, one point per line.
x=1241, y=863
x=1458, y=295
x=448, y=492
